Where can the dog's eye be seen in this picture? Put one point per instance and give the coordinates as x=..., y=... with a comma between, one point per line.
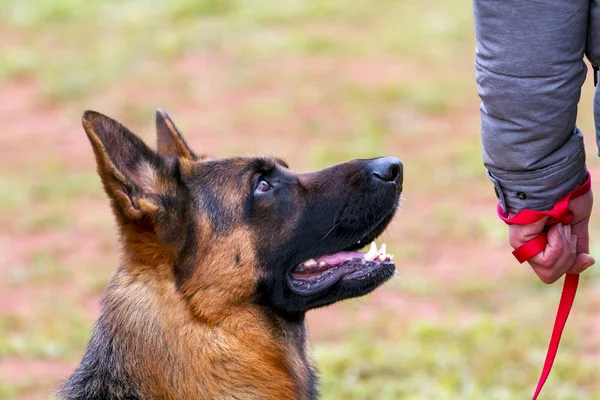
x=263, y=186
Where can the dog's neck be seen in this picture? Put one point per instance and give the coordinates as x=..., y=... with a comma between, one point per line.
x=148, y=344
x=293, y=334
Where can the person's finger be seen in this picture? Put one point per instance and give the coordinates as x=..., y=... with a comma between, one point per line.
x=520, y=234
x=582, y=262
x=568, y=256
x=573, y=243
x=553, y=250
x=583, y=237
x=558, y=257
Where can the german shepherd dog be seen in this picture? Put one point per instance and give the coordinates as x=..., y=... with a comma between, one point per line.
x=220, y=260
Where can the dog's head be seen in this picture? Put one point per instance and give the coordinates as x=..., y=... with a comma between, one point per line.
x=241, y=230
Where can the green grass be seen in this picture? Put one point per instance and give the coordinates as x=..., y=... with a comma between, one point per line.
x=74, y=47
x=19, y=192
x=42, y=267
x=318, y=82
x=58, y=331
x=485, y=358
x=43, y=200
x=10, y=390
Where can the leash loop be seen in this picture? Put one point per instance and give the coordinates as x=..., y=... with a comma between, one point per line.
x=558, y=214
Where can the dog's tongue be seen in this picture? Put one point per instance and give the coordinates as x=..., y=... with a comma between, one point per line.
x=323, y=263
x=339, y=258
x=318, y=266
x=320, y=273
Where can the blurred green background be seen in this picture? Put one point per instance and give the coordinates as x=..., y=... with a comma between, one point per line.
x=315, y=82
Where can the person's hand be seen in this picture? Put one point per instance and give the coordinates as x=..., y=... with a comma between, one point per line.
x=568, y=246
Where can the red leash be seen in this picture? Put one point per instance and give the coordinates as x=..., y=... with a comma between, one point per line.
x=564, y=308
x=559, y=214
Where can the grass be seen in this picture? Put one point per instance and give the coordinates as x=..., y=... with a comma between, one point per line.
x=75, y=47
x=58, y=332
x=42, y=267
x=9, y=390
x=44, y=200
x=20, y=192
x=317, y=83
x=484, y=358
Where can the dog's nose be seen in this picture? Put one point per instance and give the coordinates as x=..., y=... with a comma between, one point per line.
x=388, y=169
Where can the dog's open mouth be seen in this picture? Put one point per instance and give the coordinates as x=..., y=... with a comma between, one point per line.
x=318, y=274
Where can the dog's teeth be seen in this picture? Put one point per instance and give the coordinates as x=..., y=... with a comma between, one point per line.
x=382, y=249
x=391, y=257
x=310, y=263
x=322, y=263
x=382, y=257
x=370, y=256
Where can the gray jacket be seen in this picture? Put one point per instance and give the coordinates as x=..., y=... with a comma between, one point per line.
x=530, y=68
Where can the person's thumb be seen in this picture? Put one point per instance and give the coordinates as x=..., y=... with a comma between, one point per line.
x=583, y=237
x=582, y=262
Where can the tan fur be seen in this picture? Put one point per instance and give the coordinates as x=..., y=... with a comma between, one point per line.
x=178, y=147
x=203, y=337
x=148, y=179
x=213, y=345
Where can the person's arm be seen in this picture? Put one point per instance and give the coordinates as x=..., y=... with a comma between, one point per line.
x=529, y=69
x=592, y=53
x=592, y=50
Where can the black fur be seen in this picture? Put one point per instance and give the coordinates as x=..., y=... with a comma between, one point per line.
x=302, y=216
x=332, y=210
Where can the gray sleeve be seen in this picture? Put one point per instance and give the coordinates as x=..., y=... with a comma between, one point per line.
x=593, y=40
x=593, y=54
x=529, y=70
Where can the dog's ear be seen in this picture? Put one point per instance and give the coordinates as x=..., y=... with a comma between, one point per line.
x=169, y=141
x=134, y=176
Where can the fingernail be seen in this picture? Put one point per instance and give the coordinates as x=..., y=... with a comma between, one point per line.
x=573, y=243
x=568, y=233
x=561, y=229
x=588, y=264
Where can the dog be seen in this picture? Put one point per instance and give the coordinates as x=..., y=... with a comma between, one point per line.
x=220, y=260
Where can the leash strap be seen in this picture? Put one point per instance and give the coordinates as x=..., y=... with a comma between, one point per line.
x=558, y=214
x=564, y=308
